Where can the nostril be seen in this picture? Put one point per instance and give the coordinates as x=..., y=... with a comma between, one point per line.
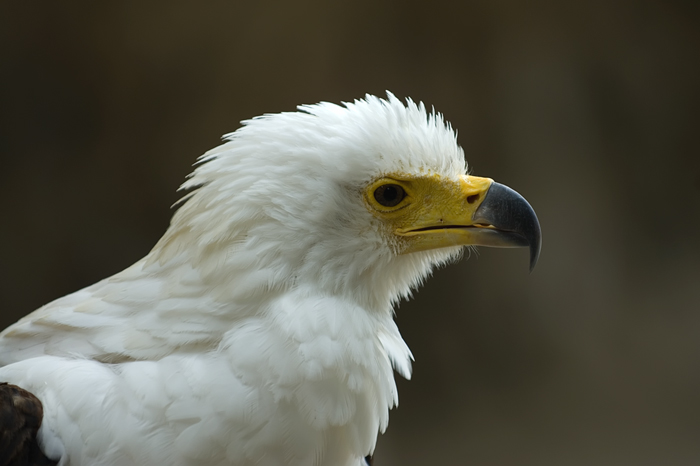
x=473, y=198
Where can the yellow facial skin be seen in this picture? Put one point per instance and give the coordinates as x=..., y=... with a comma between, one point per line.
x=435, y=212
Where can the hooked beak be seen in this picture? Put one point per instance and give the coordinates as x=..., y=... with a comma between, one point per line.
x=509, y=222
x=475, y=211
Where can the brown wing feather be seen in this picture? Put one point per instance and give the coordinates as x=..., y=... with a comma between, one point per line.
x=20, y=418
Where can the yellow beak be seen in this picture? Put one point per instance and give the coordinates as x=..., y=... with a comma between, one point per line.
x=438, y=213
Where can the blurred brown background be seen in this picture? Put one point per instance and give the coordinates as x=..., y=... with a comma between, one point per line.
x=589, y=109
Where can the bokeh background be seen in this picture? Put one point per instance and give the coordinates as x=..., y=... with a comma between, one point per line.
x=589, y=109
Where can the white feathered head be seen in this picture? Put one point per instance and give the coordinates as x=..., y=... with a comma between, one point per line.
x=361, y=199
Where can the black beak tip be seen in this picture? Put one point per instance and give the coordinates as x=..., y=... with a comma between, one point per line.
x=508, y=211
x=533, y=233
x=535, y=252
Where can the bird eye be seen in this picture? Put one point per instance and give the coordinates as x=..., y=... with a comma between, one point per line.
x=389, y=195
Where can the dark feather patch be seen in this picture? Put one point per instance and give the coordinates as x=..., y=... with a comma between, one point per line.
x=20, y=418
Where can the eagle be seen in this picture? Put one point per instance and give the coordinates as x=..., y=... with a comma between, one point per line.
x=259, y=330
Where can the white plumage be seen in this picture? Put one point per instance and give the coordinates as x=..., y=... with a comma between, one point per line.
x=259, y=330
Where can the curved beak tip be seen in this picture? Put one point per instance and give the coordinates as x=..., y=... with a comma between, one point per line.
x=514, y=218
x=535, y=254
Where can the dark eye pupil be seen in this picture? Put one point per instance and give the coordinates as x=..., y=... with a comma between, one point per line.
x=389, y=195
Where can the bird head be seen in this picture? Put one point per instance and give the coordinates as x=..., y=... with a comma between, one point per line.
x=362, y=199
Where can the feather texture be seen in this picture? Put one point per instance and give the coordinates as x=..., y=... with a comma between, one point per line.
x=259, y=330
